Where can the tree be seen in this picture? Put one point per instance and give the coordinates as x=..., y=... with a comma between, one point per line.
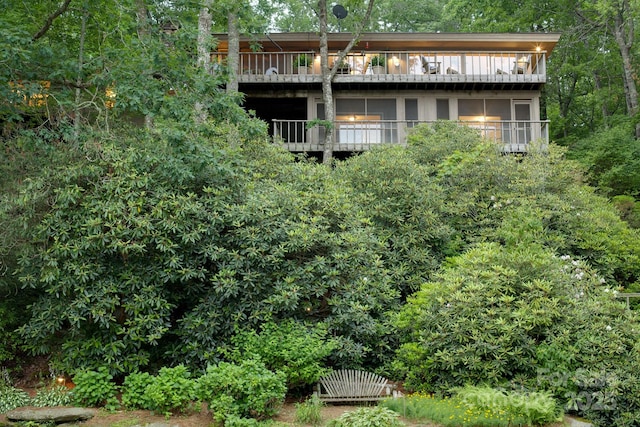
x=329, y=72
x=617, y=17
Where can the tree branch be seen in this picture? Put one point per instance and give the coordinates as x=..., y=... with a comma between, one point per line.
x=62, y=9
x=356, y=36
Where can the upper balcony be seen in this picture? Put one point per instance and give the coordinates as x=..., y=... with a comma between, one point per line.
x=395, y=60
x=456, y=69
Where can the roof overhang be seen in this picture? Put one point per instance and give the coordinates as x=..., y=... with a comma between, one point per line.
x=294, y=42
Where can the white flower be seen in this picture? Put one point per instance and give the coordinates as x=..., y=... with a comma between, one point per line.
x=608, y=328
x=606, y=290
x=565, y=257
x=602, y=280
x=493, y=198
x=574, y=262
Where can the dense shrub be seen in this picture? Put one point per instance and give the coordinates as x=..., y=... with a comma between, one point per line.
x=291, y=347
x=134, y=390
x=160, y=248
x=245, y=390
x=172, y=389
x=542, y=326
x=94, y=388
x=611, y=157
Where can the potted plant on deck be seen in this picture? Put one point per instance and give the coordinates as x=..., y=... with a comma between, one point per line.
x=302, y=64
x=379, y=64
x=343, y=67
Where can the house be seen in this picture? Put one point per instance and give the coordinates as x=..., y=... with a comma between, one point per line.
x=390, y=82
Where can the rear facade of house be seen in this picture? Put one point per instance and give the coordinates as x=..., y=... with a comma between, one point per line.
x=392, y=82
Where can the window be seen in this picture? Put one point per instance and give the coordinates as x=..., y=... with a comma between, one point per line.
x=411, y=112
x=368, y=121
x=442, y=109
x=488, y=115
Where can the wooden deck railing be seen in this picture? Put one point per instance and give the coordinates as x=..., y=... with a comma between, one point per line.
x=294, y=135
x=420, y=66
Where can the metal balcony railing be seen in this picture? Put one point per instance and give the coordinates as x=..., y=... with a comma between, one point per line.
x=294, y=135
x=381, y=66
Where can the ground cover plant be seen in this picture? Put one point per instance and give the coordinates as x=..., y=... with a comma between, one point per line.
x=478, y=407
x=310, y=411
x=375, y=416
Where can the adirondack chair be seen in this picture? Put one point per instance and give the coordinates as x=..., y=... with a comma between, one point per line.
x=353, y=386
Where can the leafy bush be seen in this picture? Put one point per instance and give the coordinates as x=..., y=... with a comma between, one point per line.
x=543, y=326
x=134, y=390
x=310, y=411
x=94, y=388
x=377, y=416
x=52, y=396
x=296, y=349
x=245, y=390
x=171, y=390
x=521, y=292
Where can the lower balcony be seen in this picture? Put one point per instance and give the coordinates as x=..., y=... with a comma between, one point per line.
x=353, y=136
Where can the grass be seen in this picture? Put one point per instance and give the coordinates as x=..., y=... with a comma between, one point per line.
x=310, y=411
x=452, y=412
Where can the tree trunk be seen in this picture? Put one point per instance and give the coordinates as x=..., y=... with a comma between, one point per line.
x=329, y=73
x=142, y=23
x=624, y=34
x=327, y=89
x=204, y=51
x=233, y=55
x=77, y=113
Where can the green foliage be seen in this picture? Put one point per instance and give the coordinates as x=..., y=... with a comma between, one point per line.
x=378, y=61
x=492, y=411
x=377, y=416
x=524, y=292
x=291, y=347
x=426, y=141
x=52, y=396
x=94, y=388
x=542, y=327
x=404, y=206
x=302, y=60
x=611, y=158
x=171, y=390
x=629, y=209
x=244, y=390
x=243, y=241
x=297, y=247
x=134, y=390
x=12, y=397
x=310, y=411
x=532, y=408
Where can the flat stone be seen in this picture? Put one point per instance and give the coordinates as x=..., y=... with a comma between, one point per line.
x=572, y=422
x=57, y=415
